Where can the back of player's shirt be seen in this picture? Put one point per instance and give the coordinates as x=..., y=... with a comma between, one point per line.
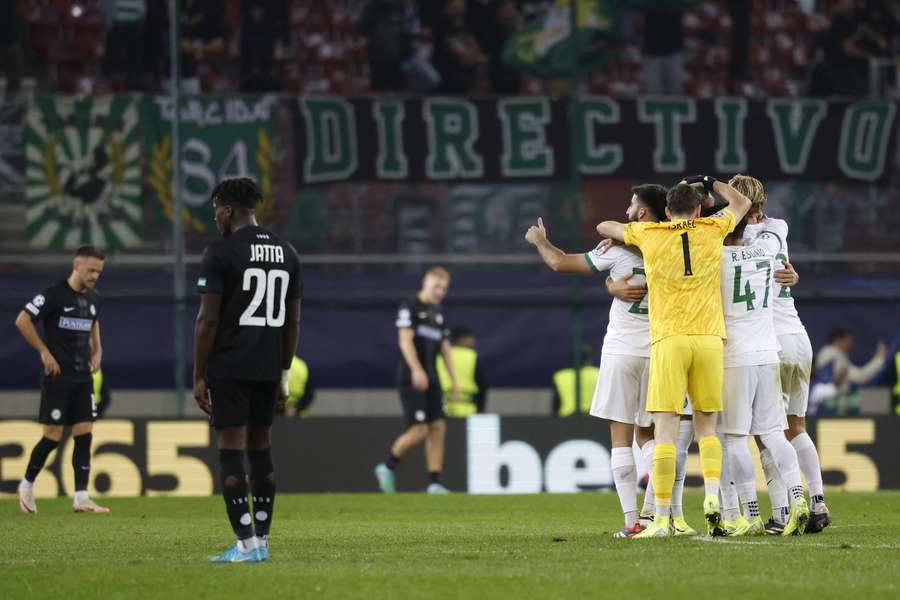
x=786, y=318
x=256, y=273
x=747, y=298
x=628, y=332
x=681, y=260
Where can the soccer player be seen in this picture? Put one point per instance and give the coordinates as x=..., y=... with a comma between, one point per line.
x=422, y=335
x=70, y=351
x=244, y=340
x=682, y=261
x=752, y=392
x=796, y=364
x=621, y=393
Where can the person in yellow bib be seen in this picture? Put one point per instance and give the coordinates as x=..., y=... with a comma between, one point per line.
x=301, y=391
x=472, y=396
x=564, y=386
x=682, y=260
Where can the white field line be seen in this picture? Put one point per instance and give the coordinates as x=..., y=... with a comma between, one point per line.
x=836, y=546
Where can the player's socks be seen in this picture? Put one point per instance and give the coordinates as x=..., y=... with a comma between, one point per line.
x=434, y=477
x=392, y=461
x=234, y=490
x=663, y=477
x=262, y=488
x=808, y=458
x=39, y=455
x=777, y=492
x=625, y=477
x=685, y=437
x=740, y=466
x=81, y=460
x=785, y=462
x=711, y=463
x=647, y=453
x=729, y=497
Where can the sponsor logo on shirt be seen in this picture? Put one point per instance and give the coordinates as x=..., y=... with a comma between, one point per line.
x=68, y=308
x=75, y=324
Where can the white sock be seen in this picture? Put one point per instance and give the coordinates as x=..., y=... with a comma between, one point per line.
x=82, y=496
x=649, y=507
x=625, y=475
x=262, y=541
x=727, y=492
x=248, y=544
x=785, y=459
x=741, y=468
x=27, y=484
x=777, y=492
x=809, y=463
x=685, y=437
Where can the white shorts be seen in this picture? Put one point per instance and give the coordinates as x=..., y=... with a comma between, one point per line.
x=751, y=398
x=621, y=392
x=796, y=363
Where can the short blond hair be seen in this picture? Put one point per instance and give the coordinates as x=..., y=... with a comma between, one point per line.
x=752, y=188
x=439, y=272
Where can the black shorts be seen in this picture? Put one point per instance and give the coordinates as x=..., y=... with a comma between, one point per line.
x=422, y=407
x=242, y=403
x=67, y=402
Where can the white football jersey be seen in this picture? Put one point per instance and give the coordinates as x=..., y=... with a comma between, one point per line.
x=628, y=332
x=748, y=301
x=786, y=318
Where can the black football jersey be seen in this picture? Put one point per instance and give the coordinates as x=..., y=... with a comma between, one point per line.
x=429, y=331
x=256, y=273
x=68, y=317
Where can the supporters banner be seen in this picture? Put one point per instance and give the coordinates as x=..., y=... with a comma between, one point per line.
x=544, y=46
x=485, y=454
x=83, y=172
x=221, y=137
x=651, y=138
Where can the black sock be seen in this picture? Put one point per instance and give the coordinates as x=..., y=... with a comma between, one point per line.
x=392, y=461
x=81, y=461
x=434, y=477
x=262, y=487
x=234, y=490
x=38, y=457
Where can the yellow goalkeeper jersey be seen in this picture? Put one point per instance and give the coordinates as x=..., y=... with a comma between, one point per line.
x=682, y=259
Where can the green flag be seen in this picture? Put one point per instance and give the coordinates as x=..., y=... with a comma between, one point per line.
x=544, y=46
x=221, y=137
x=83, y=172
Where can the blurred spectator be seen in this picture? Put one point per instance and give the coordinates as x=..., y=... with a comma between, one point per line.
x=123, y=57
x=741, y=13
x=10, y=49
x=301, y=391
x=836, y=379
x=264, y=32
x=492, y=22
x=662, y=68
x=389, y=28
x=846, y=49
x=102, y=395
x=564, y=387
x=202, y=37
x=457, y=56
x=469, y=374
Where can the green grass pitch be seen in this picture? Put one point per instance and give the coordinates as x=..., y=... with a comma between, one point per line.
x=456, y=546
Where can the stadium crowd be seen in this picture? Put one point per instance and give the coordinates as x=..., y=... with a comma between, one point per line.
x=741, y=47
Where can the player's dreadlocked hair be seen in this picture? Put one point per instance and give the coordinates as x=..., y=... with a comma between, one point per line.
x=753, y=189
x=240, y=191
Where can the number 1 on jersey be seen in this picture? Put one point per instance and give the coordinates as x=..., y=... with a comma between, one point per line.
x=686, y=250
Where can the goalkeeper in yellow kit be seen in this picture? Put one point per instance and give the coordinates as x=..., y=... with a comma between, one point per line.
x=682, y=258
